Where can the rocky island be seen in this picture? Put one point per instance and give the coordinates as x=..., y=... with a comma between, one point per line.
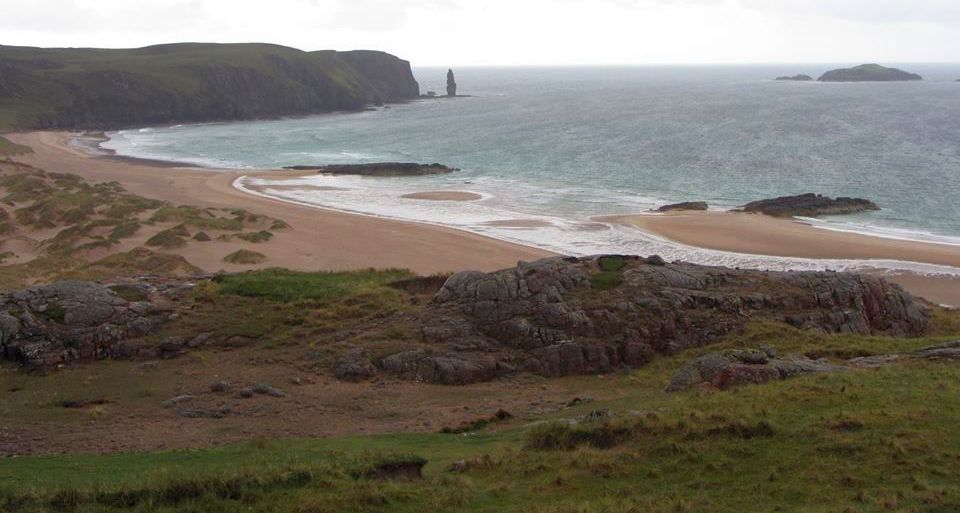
x=796, y=78
x=869, y=73
x=381, y=169
x=809, y=205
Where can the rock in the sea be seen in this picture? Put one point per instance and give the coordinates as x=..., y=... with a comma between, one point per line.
x=686, y=205
x=72, y=321
x=451, y=84
x=548, y=317
x=381, y=169
x=737, y=367
x=797, y=78
x=869, y=73
x=809, y=205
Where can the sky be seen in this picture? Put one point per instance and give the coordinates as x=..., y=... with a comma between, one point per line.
x=516, y=32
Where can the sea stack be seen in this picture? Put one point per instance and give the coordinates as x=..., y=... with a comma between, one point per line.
x=451, y=84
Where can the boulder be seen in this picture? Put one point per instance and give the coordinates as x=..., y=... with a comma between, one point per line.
x=733, y=368
x=354, y=366
x=71, y=321
x=419, y=365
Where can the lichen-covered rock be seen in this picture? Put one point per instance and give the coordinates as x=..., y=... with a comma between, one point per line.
x=552, y=317
x=419, y=365
x=72, y=321
x=355, y=365
x=733, y=368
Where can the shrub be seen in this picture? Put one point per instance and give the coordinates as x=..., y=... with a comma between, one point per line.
x=245, y=257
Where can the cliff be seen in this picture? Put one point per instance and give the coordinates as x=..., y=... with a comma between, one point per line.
x=868, y=73
x=190, y=82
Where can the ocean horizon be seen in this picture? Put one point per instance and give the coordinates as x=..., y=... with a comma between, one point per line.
x=564, y=147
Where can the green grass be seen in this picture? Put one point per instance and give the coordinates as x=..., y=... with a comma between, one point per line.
x=11, y=149
x=169, y=239
x=776, y=447
x=610, y=275
x=172, y=74
x=245, y=257
x=284, y=285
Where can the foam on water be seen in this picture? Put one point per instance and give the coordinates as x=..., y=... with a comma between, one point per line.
x=361, y=195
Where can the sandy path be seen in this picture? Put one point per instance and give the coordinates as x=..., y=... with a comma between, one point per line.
x=320, y=239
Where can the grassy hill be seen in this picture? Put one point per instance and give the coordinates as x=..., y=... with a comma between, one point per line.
x=105, y=88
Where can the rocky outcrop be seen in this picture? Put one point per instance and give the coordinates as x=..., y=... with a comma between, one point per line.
x=381, y=169
x=192, y=82
x=869, y=73
x=451, y=84
x=559, y=316
x=354, y=366
x=809, y=205
x=72, y=321
x=686, y=205
x=797, y=78
x=728, y=369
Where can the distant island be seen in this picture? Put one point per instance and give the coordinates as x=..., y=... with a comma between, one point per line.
x=869, y=73
x=797, y=78
x=87, y=88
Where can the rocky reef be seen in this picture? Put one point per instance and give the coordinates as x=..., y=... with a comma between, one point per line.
x=49, y=88
x=686, y=205
x=796, y=78
x=809, y=205
x=869, y=73
x=381, y=169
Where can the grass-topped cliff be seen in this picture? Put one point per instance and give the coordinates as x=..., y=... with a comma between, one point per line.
x=88, y=88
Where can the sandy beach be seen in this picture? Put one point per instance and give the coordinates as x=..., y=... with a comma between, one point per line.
x=326, y=239
x=765, y=235
x=319, y=240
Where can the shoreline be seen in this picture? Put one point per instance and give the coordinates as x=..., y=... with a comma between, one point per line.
x=757, y=234
x=203, y=185
x=320, y=239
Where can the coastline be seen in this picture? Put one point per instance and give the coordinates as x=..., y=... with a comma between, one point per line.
x=320, y=239
x=764, y=235
x=326, y=238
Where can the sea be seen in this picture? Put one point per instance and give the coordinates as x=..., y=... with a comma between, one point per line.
x=561, y=148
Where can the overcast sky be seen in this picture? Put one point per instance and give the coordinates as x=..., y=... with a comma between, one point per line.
x=516, y=32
